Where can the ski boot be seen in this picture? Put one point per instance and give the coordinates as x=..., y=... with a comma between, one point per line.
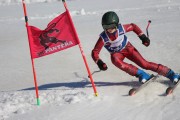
x=143, y=76
x=174, y=77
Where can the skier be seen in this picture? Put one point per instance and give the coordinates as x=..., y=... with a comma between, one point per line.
x=113, y=38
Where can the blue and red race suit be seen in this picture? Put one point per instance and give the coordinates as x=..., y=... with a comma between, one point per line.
x=120, y=48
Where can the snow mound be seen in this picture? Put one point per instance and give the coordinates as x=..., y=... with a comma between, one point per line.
x=20, y=102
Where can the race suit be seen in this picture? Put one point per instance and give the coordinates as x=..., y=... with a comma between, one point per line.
x=120, y=48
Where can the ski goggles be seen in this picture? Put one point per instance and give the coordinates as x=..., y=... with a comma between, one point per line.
x=111, y=26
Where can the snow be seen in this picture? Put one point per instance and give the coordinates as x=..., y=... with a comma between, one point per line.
x=64, y=88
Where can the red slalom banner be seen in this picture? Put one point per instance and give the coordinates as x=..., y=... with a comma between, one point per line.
x=58, y=35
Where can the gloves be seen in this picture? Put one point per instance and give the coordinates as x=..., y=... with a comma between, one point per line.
x=145, y=40
x=102, y=65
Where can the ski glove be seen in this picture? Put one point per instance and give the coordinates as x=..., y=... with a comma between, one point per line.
x=145, y=40
x=102, y=65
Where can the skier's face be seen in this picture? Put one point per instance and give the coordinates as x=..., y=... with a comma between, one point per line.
x=111, y=30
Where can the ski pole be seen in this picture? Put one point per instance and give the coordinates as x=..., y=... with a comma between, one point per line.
x=147, y=28
x=95, y=72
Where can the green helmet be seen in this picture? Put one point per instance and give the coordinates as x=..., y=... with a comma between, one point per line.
x=110, y=20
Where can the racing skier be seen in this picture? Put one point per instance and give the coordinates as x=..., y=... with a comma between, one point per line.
x=113, y=38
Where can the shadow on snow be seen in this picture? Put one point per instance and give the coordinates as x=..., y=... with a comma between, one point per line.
x=82, y=85
x=86, y=84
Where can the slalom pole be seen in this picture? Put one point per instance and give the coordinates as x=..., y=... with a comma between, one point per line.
x=32, y=61
x=81, y=49
x=149, y=22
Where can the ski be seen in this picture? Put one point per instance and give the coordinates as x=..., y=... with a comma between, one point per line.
x=133, y=91
x=170, y=89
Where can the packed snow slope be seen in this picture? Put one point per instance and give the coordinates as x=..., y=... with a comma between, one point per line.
x=64, y=87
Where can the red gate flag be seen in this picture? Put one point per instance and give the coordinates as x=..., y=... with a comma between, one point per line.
x=58, y=35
